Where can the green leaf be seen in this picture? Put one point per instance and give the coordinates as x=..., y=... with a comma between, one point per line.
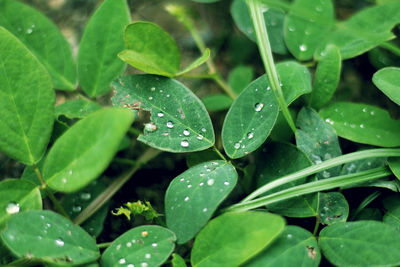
x=281, y=131
x=150, y=49
x=392, y=217
x=26, y=102
x=198, y=62
x=394, y=164
x=179, y=121
x=206, y=1
x=48, y=236
x=295, y=79
x=74, y=161
x=17, y=196
x=193, y=196
x=274, y=19
x=250, y=119
x=42, y=37
x=362, y=243
x=388, y=81
x=363, y=123
x=306, y=26
x=294, y=247
x=363, y=31
x=177, y=261
x=233, y=238
x=76, y=109
x=240, y=77
x=277, y=160
x=102, y=39
x=148, y=245
x=333, y=208
x=327, y=77
x=217, y=102
x=369, y=214
x=318, y=140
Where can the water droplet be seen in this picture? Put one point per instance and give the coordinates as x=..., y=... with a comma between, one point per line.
x=150, y=98
x=268, y=88
x=291, y=29
x=200, y=137
x=210, y=182
x=150, y=127
x=186, y=198
x=59, y=242
x=289, y=236
x=29, y=31
x=303, y=47
x=129, y=244
x=182, y=179
x=154, y=245
x=226, y=183
x=76, y=208
x=202, y=174
x=85, y=196
x=186, y=132
x=201, y=184
x=170, y=124
x=250, y=135
x=326, y=174
x=258, y=106
x=168, y=95
x=144, y=264
x=236, y=146
x=184, y=143
x=361, y=125
x=318, y=8
x=372, y=113
x=328, y=120
x=130, y=265
x=203, y=130
x=122, y=261
x=152, y=89
x=70, y=172
x=160, y=114
x=205, y=209
x=147, y=255
x=189, y=186
x=12, y=208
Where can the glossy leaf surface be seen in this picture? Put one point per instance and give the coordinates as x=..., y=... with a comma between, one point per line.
x=388, y=81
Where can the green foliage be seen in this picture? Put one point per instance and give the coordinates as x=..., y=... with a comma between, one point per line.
x=137, y=208
x=388, y=81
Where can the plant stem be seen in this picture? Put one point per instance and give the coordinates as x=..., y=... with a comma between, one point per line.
x=104, y=245
x=53, y=199
x=391, y=47
x=219, y=153
x=266, y=54
x=370, y=153
x=101, y=199
x=312, y=187
x=317, y=222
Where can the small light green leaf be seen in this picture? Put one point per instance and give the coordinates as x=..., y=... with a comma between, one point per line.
x=233, y=238
x=318, y=140
x=327, y=77
x=92, y=141
x=179, y=121
x=295, y=79
x=43, y=39
x=26, y=101
x=50, y=237
x=193, y=196
x=392, y=217
x=362, y=243
x=250, y=119
x=277, y=160
x=388, y=81
x=333, y=208
x=150, y=49
x=240, y=77
x=363, y=31
x=177, y=261
x=102, y=39
x=217, y=102
x=363, y=123
x=76, y=109
x=148, y=245
x=306, y=26
x=17, y=196
x=198, y=62
x=294, y=247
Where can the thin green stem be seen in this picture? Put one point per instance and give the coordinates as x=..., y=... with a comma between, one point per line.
x=365, y=203
x=104, y=245
x=391, y=47
x=312, y=187
x=219, y=153
x=107, y=194
x=370, y=153
x=317, y=222
x=266, y=54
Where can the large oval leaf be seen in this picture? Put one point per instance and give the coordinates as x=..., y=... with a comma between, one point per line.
x=180, y=122
x=43, y=39
x=362, y=243
x=250, y=119
x=50, y=237
x=233, y=238
x=84, y=151
x=363, y=123
x=193, y=196
x=26, y=102
x=388, y=81
x=148, y=245
x=294, y=247
x=17, y=196
x=98, y=64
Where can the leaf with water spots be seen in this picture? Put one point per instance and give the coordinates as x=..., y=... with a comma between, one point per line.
x=388, y=81
x=233, y=238
x=193, y=196
x=144, y=246
x=318, y=140
x=306, y=25
x=76, y=109
x=42, y=37
x=179, y=120
x=240, y=77
x=17, y=196
x=48, y=236
x=250, y=119
x=26, y=102
x=374, y=243
x=333, y=208
x=295, y=241
x=66, y=166
x=217, y=102
x=327, y=77
x=363, y=123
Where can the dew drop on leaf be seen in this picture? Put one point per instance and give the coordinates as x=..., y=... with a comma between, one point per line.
x=258, y=107
x=170, y=124
x=303, y=47
x=147, y=255
x=150, y=127
x=144, y=264
x=184, y=143
x=59, y=242
x=122, y=261
x=236, y=146
x=200, y=137
x=210, y=182
x=76, y=208
x=250, y=135
x=186, y=133
x=154, y=245
x=85, y=196
x=160, y=114
x=12, y=208
x=152, y=89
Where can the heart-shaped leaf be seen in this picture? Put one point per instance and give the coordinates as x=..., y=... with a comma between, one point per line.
x=388, y=81
x=193, y=196
x=179, y=121
x=148, y=245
